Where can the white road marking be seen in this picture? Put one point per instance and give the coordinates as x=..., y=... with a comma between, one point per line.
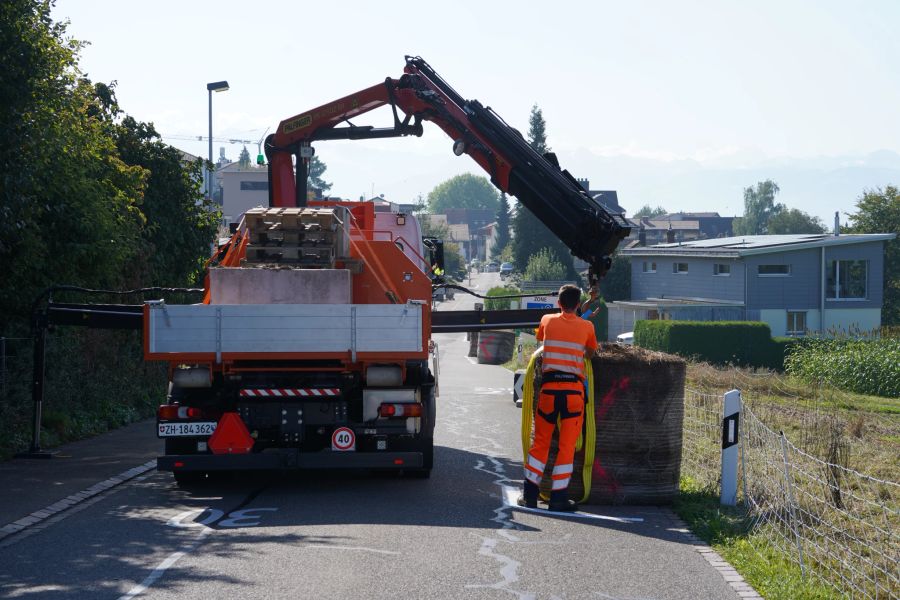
x=245, y=517
x=166, y=564
x=511, y=495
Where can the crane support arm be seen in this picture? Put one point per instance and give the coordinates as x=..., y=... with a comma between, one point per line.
x=553, y=195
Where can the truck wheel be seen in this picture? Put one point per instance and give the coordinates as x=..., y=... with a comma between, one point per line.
x=427, y=449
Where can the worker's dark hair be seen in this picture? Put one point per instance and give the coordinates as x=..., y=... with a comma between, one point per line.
x=569, y=297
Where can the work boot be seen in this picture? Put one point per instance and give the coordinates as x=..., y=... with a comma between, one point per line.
x=565, y=506
x=559, y=502
x=529, y=496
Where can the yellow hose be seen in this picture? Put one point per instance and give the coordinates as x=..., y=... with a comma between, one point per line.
x=589, y=444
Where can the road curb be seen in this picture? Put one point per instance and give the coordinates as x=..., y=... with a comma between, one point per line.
x=734, y=579
x=39, y=516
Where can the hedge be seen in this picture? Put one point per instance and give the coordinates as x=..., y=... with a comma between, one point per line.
x=502, y=303
x=744, y=343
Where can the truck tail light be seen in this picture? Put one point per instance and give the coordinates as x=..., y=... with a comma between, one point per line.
x=400, y=410
x=171, y=412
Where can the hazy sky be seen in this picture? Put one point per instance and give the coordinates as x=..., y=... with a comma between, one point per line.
x=707, y=85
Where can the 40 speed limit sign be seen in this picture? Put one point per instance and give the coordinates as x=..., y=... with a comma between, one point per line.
x=343, y=440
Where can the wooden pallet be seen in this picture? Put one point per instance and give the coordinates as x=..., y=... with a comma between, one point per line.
x=322, y=257
x=278, y=237
x=291, y=219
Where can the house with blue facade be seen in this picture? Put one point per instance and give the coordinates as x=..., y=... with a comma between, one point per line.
x=796, y=283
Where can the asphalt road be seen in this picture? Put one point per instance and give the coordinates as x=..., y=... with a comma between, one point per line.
x=359, y=535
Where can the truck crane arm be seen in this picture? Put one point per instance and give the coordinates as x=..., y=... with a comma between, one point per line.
x=552, y=194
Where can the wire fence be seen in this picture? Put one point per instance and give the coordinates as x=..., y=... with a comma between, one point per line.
x=837, y=524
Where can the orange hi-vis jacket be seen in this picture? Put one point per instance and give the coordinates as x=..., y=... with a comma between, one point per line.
x=566, y=338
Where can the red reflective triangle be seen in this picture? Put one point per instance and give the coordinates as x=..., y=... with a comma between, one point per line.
x=231, y=436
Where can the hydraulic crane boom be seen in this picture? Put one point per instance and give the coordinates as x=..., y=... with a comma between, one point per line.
x=549, y=192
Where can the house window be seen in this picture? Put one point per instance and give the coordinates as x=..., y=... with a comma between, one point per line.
x=846, y=279
x=774, y=270
x=254, y=186
x=796, y=322
x=722, y=269
x=679, y=268
x=649, y=267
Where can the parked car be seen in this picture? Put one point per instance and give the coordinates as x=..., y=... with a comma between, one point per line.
x=626, y=339
x=506, y=269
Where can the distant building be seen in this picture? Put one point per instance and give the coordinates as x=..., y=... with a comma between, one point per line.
x=243, y=188
x=795, y=283
x=608, y=198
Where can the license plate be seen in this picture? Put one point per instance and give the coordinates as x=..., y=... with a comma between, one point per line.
x=186, y=429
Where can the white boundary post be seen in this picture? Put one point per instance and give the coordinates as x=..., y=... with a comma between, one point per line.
x=731, y=421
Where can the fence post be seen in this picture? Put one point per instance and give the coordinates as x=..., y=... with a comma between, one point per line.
x=3, y=367
x=790, y=493
x=731, y=421
x=37, y=386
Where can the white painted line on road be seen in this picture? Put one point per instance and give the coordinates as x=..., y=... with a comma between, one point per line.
x=511, y=495
x=160, y=570
x=38, y=517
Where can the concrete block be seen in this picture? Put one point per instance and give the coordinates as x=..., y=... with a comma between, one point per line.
x=280, y=286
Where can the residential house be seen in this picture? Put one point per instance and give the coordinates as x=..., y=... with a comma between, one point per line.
x=795, y=283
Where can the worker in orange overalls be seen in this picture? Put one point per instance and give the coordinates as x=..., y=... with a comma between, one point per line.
x=567, y=340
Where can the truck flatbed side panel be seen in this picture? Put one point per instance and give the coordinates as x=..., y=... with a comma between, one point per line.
x=224, y=331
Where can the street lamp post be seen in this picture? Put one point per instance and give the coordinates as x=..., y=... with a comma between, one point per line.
x=216, y=86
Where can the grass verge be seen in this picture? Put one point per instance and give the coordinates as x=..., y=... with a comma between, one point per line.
x=726, y=530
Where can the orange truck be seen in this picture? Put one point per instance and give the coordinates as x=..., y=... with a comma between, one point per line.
x=312, y=346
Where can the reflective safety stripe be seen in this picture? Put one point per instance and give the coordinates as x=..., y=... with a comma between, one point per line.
x=564, y=369
x=560, y=356
x=562, y=469
x=561, y=344
x=532, y=476
x=538, y=465
x=560, y=484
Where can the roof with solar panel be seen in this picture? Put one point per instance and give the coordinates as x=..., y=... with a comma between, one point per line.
x=756, y=244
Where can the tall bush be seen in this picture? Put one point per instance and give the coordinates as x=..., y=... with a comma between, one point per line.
x=500, y=304
x=544, y=266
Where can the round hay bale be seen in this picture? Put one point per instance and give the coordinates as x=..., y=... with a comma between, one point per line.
x=639, y=410
x=495, y=347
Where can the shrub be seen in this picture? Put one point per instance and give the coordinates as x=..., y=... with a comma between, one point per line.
x=863, y=366
x=745, y=343
x=544, y=266
x=502, y=304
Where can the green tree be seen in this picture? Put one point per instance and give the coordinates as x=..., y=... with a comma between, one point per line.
x=648, y=211
x=616, y=285
x=759, y=207
x=503, y=223
x=69, y=206
x=794, y=221
x=544, y=266
x=181, y=224
x=244, y=158
x=878, y=211
x=316, y=170
x=531, y=235
x=463, y=191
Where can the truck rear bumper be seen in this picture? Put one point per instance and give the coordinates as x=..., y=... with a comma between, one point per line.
x=290, y=459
